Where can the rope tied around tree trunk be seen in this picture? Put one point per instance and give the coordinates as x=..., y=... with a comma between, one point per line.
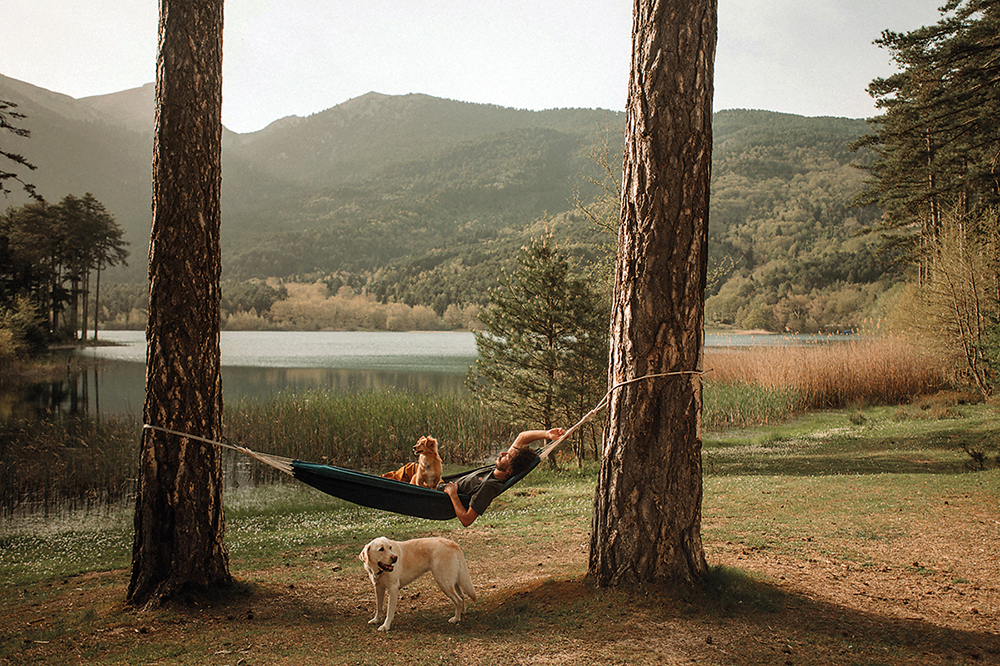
x=606, y=399
x=278, y=462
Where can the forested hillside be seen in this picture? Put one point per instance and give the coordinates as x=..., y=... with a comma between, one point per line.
x=422, y=200
x=782, y=225
x=464, y=194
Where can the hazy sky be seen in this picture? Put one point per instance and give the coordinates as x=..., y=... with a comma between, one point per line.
x=298, y=57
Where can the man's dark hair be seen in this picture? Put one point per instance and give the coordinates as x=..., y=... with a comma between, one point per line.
x=523, y=458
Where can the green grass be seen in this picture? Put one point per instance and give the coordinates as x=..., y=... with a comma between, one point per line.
x=268, y=525
x=736, y=404
x=364, y=430
x=822, y=465
x=887, y=439
x=853, y=481
x=40, y=548
x=833, y=485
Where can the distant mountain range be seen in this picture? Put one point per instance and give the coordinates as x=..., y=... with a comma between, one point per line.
x=417, y=196
x=370, y=157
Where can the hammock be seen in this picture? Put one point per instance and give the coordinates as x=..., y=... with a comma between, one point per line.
x=385, y=494
x=388, y=494
x=369, y=490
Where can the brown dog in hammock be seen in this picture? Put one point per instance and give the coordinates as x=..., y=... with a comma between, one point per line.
x=426, y=471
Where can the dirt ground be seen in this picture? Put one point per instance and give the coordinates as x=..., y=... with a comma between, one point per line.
x=932, y=597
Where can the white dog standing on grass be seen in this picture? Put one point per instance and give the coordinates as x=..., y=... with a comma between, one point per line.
x=392, y=565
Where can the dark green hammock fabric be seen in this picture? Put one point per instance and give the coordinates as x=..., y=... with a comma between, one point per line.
x=384, y=494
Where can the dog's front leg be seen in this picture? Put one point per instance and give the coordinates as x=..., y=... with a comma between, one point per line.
x=379, y=604
x=390, y=608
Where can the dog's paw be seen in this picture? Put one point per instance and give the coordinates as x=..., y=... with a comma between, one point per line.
x=453, y=620
x=384, y=627
x=374, y=620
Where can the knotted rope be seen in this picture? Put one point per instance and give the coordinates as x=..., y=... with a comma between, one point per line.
x=604, y=403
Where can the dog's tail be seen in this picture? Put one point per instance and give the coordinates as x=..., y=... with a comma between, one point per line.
x=464, y=584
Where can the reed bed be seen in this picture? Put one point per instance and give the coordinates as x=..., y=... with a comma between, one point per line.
x=85, y=465
x=72, y=464
x=366, y=430
x=69, y=465
x=759, y=385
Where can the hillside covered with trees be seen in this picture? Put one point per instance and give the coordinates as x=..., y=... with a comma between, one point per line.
x=422, y=201
x=791, y=248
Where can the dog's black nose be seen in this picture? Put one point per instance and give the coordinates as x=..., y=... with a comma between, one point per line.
x=394, y=558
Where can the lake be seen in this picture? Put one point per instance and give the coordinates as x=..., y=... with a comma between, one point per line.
x=258, y=364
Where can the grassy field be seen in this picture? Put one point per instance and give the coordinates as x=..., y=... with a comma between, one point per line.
x=849, y=536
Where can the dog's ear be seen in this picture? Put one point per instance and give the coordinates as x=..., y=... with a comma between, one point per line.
x=364, y=554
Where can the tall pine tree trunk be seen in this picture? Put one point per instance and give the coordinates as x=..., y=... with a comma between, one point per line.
x=647, y=509
x=84, y=321
x=179, y=518
x=97, y=300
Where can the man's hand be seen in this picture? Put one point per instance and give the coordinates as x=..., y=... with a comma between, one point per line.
x=464, y=515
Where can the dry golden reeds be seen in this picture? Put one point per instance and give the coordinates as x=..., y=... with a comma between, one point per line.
x=789, y=378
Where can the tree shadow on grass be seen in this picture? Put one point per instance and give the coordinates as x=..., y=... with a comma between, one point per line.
x=729, y=618
x=937, y=453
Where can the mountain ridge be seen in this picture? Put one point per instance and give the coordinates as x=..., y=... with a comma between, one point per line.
x=422, y=199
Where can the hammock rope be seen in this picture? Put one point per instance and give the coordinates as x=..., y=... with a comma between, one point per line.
x=604, y=403
x=285, y=464
x=388, y=494
x=278, y=462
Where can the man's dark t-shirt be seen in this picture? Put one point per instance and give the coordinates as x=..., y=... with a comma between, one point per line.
x=483, y=487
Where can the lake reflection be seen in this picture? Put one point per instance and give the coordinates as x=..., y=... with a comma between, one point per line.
x=260, y=364
x=424, y=351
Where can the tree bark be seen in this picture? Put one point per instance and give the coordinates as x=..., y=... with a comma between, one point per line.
x=97, y=301
x=179, y=521
x=647, y=508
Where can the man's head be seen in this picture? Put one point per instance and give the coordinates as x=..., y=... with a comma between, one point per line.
x=515, y=460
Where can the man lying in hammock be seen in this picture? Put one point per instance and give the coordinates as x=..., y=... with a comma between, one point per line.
x=485, y=486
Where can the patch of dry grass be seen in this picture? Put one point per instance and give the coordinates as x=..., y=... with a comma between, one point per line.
x=869, y=371
x=747, y=386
